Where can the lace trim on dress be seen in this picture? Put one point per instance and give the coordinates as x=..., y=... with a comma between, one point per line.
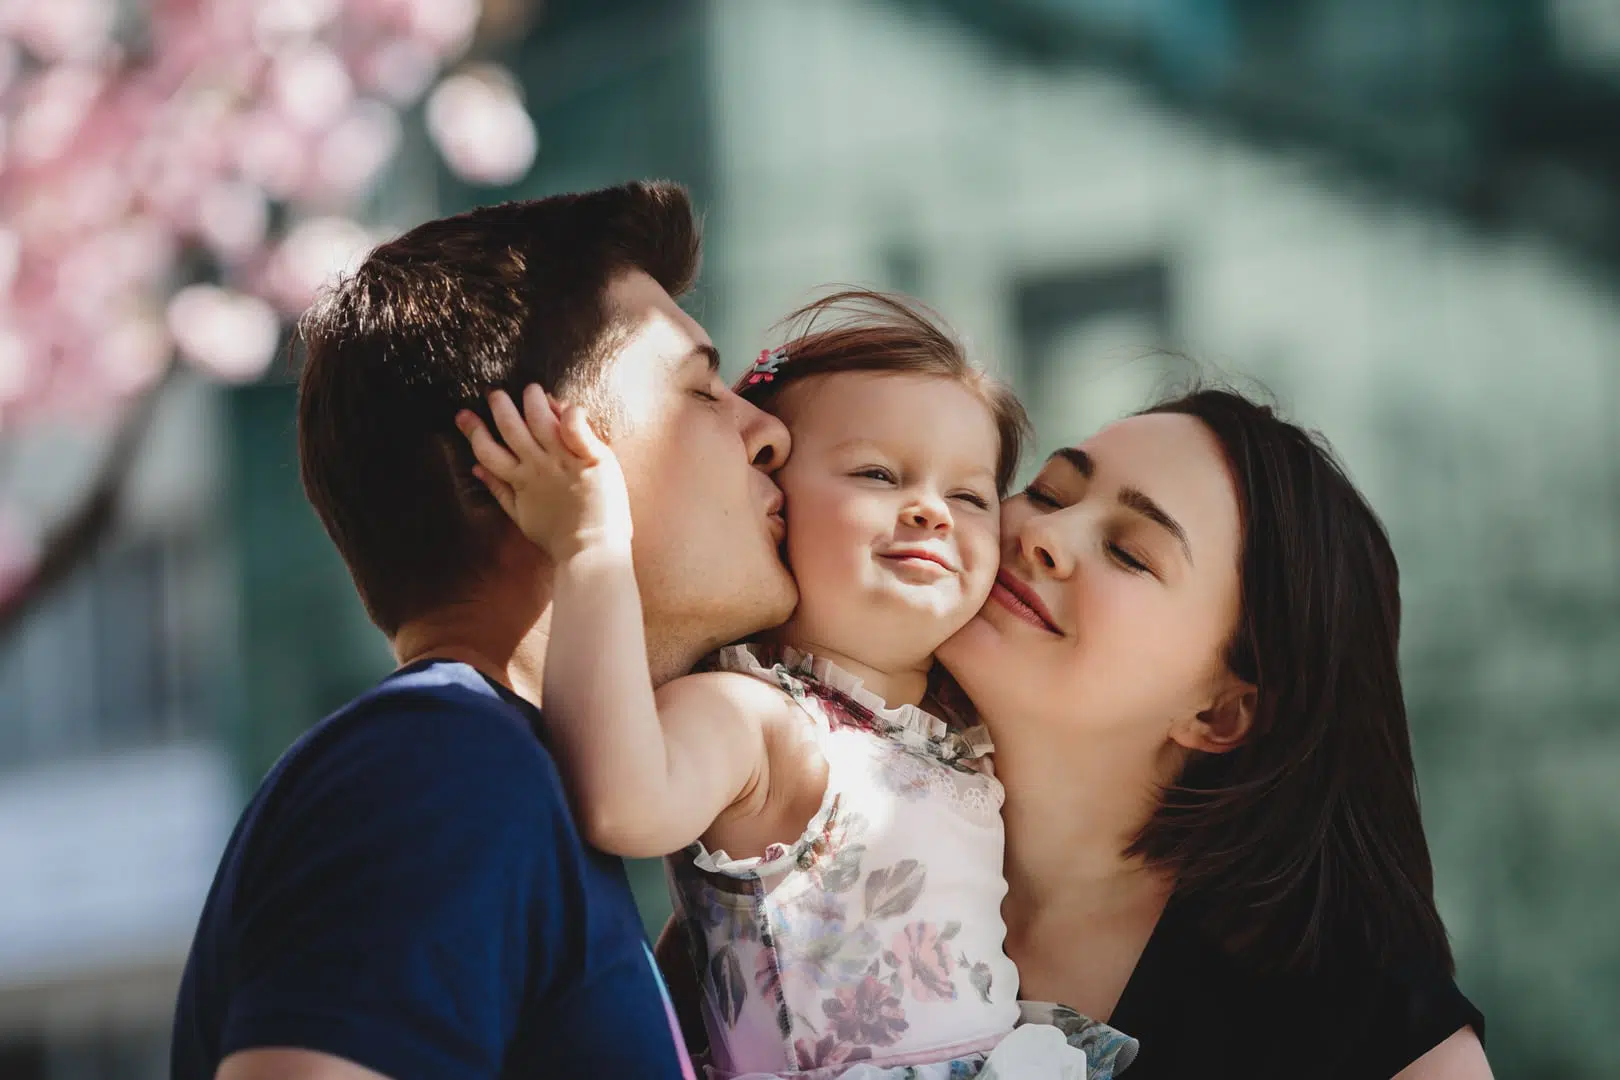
x=909, y=724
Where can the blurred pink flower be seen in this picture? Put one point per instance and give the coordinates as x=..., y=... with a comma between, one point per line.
x=355, y=151
x=314, y=253
x=230, y=335
x=233, y=217
x=63, y=29
x=310, y=86
x=292, y=20
x=55, y=106
x=478, y=123
x=444, y=25
x=132, y=353
x=116, y=165
x=13, y=365
x=399, y=70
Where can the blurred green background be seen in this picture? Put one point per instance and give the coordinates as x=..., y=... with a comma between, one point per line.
x=1402, y=218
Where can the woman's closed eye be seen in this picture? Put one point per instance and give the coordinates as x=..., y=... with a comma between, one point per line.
x=1042, y=497
x=1126, y=560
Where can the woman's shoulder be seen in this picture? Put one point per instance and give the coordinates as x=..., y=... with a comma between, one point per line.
x=1346, y=1020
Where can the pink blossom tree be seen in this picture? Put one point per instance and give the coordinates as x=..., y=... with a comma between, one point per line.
x=175, y=183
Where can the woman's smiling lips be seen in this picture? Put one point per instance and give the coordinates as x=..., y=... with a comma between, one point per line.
x=1018, y=598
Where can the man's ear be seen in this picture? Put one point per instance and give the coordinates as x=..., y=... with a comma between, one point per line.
x=1225, y=724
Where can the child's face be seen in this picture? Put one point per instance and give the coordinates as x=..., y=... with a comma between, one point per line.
x=892, y=515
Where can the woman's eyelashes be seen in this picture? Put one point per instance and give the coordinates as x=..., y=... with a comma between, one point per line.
x=1038, y=495
x=1126, y=560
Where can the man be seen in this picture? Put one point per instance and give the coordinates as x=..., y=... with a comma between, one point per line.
x=407, y=895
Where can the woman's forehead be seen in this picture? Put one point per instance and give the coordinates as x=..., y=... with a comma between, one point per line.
x=1167, y=444
x=1173, y=458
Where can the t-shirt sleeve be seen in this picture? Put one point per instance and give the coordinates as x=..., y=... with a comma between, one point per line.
x=1418, y=1012
x=405, y=891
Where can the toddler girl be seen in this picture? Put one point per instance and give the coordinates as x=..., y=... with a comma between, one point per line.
x=836, y=826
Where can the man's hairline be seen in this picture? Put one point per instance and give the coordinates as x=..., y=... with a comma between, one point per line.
x=619, y=327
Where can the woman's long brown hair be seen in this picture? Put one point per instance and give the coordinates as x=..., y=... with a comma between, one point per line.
x=1304, y=847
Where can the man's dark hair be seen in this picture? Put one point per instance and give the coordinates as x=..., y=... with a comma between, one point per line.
x=431, y=323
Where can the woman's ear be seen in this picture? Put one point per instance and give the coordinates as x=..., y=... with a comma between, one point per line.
x=1225, y=724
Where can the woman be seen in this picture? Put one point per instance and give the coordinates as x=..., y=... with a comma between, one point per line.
x=1189, y=668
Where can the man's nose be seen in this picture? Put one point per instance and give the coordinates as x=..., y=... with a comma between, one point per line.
x=765, y=437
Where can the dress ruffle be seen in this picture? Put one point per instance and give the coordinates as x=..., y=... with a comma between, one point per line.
x=910, y=724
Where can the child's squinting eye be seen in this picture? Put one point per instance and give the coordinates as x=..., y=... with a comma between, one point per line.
x=973, y=499
x=875, y=472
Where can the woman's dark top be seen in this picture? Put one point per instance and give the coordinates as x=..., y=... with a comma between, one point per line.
x=1198, y=1013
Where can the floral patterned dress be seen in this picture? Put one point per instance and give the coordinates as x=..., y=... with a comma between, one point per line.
x=873, y=945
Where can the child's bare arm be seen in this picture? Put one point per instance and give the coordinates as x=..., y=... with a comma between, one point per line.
x=648, y=772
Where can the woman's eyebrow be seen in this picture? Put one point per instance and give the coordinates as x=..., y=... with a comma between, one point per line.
x=1131, y=498
x=1139, y=501
x=1076, y=457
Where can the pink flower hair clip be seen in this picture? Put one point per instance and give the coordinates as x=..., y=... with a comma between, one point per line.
x=764, y=369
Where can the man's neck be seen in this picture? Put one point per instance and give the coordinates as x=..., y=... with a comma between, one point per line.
x=671, y=653
x=512, y=653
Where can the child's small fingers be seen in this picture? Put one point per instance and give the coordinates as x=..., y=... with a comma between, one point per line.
x=503, y=492
x=511, y=426
x=537, y=413
x=577, y=434
x=494, y=457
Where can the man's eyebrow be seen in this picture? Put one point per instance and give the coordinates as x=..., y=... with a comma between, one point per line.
x=1139, y=501
x=1076, y=457
x=708, y=353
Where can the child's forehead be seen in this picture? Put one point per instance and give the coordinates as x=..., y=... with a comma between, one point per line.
x=946, y=423
x=852, y=397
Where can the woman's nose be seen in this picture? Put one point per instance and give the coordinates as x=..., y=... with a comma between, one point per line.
x=1043, y=549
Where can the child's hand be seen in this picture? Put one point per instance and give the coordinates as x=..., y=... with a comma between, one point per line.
x=554, y=478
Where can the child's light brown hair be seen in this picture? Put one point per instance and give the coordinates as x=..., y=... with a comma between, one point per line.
x=868, y=330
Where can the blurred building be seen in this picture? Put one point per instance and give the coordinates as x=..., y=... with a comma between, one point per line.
x=1403, y=219
x=116, y=793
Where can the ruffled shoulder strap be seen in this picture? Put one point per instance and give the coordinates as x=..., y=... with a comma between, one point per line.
x=763, y=664
x=800, y=675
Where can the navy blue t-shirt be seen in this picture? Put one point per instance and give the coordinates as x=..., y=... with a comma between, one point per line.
x=407, y=890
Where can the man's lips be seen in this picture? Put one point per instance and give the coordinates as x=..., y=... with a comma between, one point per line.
x=774, y=515
x=1020, y=599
